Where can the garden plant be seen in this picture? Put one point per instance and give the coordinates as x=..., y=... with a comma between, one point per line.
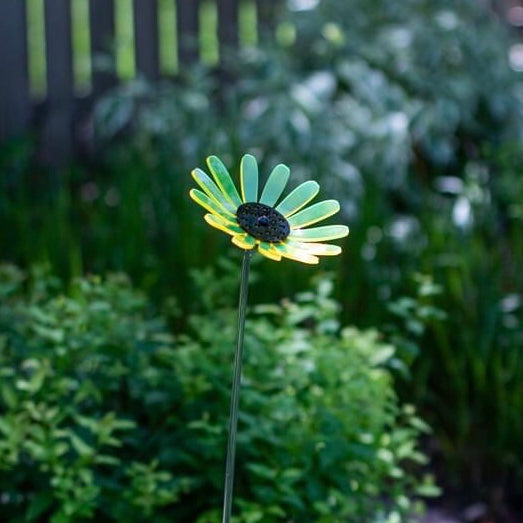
x=108, y=415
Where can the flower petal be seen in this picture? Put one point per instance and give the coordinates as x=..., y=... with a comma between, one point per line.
x=244, y=241
x=211, y=189
x=313, y=214
x=209, y=204
x=223, y=180
x=318, y=234
x=301, y=196
x=223, y=225
x=269, y=251
x=249, y=178
x=275, y=185
x=292, y=253
x=318, y=249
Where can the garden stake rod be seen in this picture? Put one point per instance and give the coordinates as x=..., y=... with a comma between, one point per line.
x=235, y=393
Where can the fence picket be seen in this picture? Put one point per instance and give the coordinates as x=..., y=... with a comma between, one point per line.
x=146, y=38
x=187, y=22
x=57, y=132
x=266, y=14
x=101, y=23
x=15, y=104
x=228, y=11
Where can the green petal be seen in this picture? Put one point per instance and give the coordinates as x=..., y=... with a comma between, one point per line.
x=211, y=189
x=223, y=225
x=319, y=234
x=318, y=249
x=209, y=204
x=313, y=214
x=292, y=253
x=301, y=196
x=223, y=180
x=275, y=185
x=249, y=178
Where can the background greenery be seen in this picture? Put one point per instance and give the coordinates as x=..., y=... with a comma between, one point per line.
x=410, y=114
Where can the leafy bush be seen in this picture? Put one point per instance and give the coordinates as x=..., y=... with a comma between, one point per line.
x=104, y=414
x=432, y=70
x=472, y=359
x=67, y=445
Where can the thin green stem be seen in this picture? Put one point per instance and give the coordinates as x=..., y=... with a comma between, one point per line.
x=235, y=393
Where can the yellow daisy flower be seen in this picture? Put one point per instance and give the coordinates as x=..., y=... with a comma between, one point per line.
x=277, y=230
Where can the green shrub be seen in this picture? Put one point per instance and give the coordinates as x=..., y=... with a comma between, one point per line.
x=104, y=414
x=472, y=360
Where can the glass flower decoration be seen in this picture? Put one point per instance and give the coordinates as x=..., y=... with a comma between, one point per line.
x=278, y=228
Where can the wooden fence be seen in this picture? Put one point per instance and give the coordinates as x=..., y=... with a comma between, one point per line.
x=58, y=107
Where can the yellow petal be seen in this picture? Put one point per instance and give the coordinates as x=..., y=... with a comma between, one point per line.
x=209, y=204
x=244, y=241
x=211, y=190
x=223, y=225
x=269, y=251
x=223, y=180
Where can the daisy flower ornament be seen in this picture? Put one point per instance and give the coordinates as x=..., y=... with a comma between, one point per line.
x=275, y=227
x=278, y=229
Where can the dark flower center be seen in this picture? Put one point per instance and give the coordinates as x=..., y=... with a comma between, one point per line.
x=263, y=222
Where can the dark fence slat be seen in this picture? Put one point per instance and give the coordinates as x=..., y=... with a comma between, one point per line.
x=266, y=15
x=146, y=38
x=187, y=21
x=228, y=16
x=57, y=132
x=101, y=23
x=15, y=106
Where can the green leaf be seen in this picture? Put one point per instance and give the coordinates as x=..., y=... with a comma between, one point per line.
x=103, y=459
x=382, y=354
x=428, y=490
x=83, y=449
x=39, y=504
x=9, y=396
x=262, y=470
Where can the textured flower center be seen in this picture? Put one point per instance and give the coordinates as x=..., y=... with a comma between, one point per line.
x=263, y=222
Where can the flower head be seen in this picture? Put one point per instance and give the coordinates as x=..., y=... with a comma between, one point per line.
x=278, y=230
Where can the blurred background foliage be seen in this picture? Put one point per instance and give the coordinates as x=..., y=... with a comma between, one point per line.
x=409, y=113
